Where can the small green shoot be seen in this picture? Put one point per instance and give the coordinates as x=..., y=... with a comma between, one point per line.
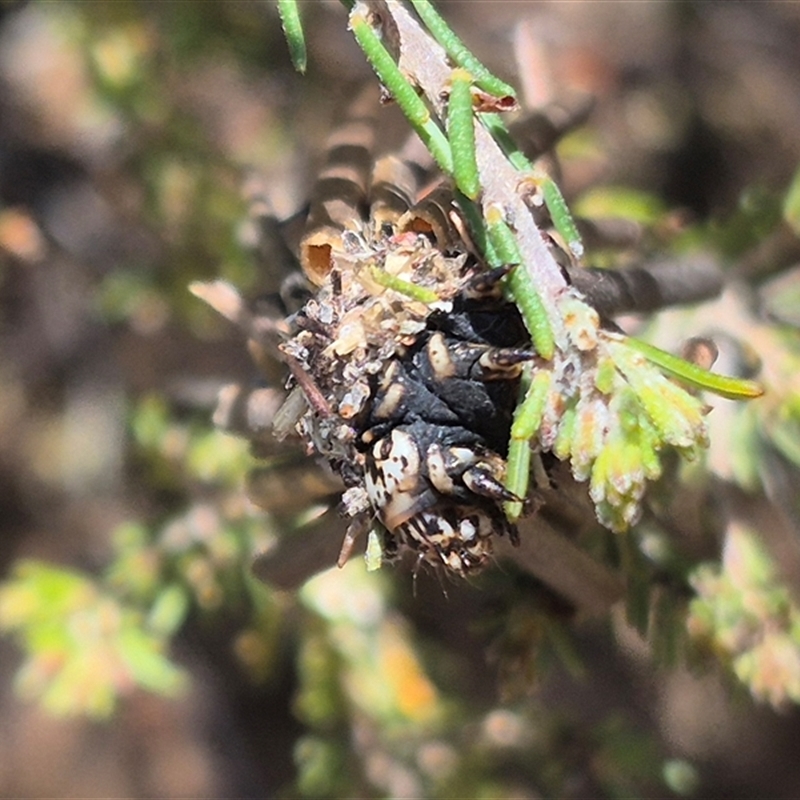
x=517, y=475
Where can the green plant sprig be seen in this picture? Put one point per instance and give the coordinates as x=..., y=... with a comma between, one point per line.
x=699, y=378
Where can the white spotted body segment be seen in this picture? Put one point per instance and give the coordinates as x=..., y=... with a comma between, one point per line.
x=442, y=503
x=392, y=478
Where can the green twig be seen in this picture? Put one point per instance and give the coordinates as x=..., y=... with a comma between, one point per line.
x=518, y=463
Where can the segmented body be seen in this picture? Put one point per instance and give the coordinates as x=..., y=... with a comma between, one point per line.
x=419, y=395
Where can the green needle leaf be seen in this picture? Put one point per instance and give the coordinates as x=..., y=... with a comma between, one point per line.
x=403, y=92
x=459, y=52
x=722, y=385
x=517, y=475
x=461, y=133
x=528, y=415
x=477, y=228
x=523, y=291
x=389, y=281
x=293, y=30
x=560, y=215
x=527, y=419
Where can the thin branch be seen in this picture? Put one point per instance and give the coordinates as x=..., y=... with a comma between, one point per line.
x=426, y=63
x=648, y=288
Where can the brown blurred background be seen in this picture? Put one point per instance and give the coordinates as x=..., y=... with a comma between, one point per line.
x=129, y=133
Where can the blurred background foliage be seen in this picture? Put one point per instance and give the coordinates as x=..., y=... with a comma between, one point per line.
x=142, y=658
